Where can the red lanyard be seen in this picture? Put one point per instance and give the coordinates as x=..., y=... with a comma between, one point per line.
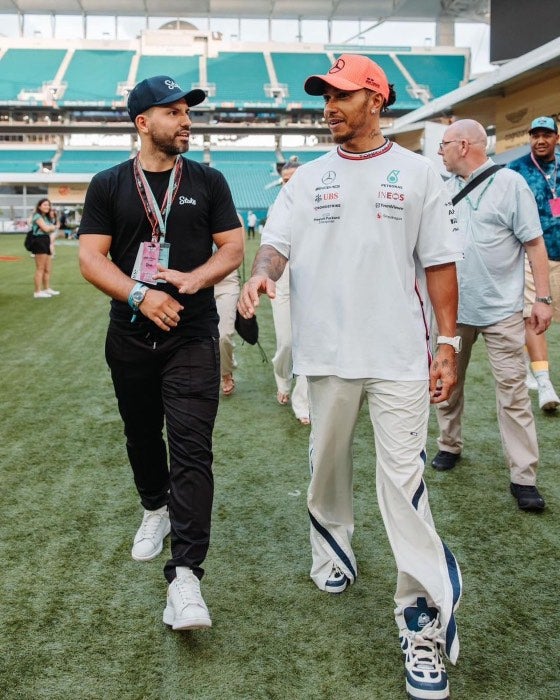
x=157, y=216
x=551, y=187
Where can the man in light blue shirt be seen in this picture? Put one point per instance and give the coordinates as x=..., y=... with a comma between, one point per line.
x=500, y=223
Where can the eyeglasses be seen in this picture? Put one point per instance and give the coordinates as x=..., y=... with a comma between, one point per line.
x=444, y=143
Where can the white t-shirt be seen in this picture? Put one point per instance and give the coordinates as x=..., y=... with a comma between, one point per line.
x=353, y=230
x=496, y=218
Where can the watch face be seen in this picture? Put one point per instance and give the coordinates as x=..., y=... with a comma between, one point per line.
x=138, y=296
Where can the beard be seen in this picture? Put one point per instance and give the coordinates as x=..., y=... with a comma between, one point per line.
x=167, y=145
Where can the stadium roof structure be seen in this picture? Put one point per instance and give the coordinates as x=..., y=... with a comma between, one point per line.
x=328, y=10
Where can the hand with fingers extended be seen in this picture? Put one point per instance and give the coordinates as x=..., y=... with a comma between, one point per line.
x=161, y=308
x=186, y=282
x=252, y=289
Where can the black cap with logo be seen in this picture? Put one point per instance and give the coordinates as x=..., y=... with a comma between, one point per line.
x=160, y=90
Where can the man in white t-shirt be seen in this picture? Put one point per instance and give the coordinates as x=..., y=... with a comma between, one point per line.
x=354, y=225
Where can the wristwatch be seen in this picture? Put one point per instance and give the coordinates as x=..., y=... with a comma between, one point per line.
x=455, y=342
x=544, y=300
x=136, y=296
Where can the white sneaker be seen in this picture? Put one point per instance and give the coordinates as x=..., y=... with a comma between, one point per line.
x=337, y=581
x=148, y=541
x=426, y=677
x=41, y=295
x=530, y=381
x=186, y=609
x=52, y=292
x=548, y=400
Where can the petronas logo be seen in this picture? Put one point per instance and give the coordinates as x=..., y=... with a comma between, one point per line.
x=393, y=177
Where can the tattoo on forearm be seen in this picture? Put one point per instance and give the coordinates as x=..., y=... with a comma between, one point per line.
x=269, y=262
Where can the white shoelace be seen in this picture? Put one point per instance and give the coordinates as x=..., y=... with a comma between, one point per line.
x=423, y=648
x=189, y=592
x=150, y=525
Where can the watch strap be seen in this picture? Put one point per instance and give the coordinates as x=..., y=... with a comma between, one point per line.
x=137, y=287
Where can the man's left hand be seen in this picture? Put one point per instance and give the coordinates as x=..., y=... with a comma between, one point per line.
x=541, y=317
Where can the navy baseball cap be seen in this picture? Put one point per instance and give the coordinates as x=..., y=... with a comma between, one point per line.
x=544, y=123
x=160, y=90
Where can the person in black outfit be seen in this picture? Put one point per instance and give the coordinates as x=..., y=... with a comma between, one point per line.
x=146, y=239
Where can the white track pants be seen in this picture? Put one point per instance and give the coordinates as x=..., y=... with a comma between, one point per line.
x=226, y=293
x=399, y=413
x=282, y=360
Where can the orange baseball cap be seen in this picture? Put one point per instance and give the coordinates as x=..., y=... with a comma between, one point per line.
x=350, y=72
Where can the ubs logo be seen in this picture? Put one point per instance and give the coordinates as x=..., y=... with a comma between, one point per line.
x=329, y=177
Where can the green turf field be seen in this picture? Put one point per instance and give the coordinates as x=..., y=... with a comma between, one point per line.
x=80, y=620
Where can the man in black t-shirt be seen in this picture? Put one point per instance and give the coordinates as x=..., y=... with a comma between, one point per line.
x=146, y=240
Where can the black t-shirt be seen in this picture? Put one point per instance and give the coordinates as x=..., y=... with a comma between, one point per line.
x=202, y=206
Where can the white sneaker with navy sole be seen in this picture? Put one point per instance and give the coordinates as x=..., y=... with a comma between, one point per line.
x=186, y=609
x=337, y=581
x=426, y=677
x=148, y=541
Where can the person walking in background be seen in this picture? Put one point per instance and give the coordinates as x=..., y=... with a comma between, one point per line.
x=251, y=224
x=53, y=218
x=359, y=334
x=282, y=361
x=162, y=341
x=43, y=229
x=226, y=293
x=540, y=170
x=500, y=222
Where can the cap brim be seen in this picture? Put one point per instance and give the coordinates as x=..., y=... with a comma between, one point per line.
x=316, y=84
x=192, y=98
x=542, y=128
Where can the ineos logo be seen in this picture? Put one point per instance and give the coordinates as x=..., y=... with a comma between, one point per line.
x=329, y=177
x=338, y=66
x=172, y=85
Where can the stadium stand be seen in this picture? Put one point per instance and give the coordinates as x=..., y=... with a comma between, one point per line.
x=89, y=161
x=24, y=161
x=93, y=77
x=240, y=78
x=292, y=71
x=80, y=87
x=23, y=73
x=185, y=69
x=440, y=74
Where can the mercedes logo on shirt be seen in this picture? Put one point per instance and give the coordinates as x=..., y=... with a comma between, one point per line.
x=329, y=177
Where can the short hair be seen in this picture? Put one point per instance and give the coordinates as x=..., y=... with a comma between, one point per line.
x=291, y=163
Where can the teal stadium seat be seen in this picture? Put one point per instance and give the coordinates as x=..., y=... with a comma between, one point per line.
x=20, y=161
x=93, y=77
x=183, y=69
x=292, y=69
x=89, y=161
x=27, y=69
x=239, y=78
x=250, y=175
x=441, y=73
